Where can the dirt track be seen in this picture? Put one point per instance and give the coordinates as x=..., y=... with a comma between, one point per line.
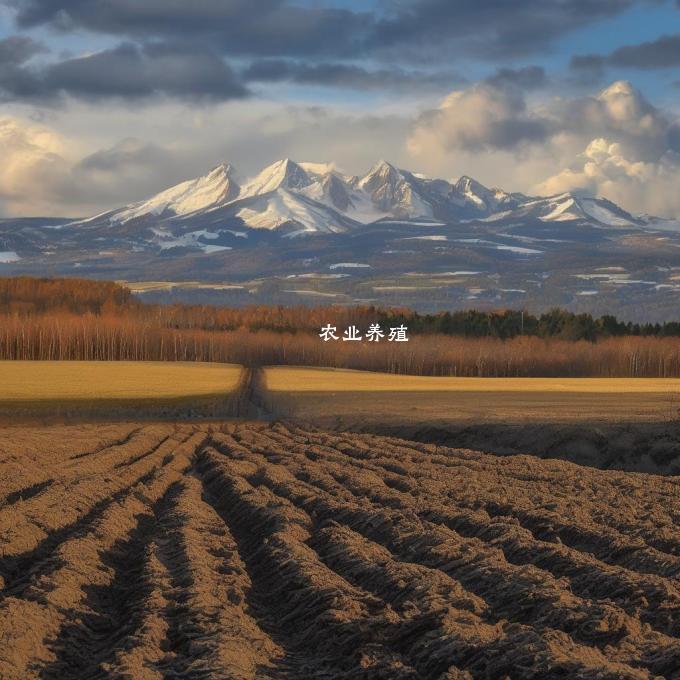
x=268, y=551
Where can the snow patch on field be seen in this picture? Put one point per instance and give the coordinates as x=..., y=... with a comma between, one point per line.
x=349, y=265
x=414, y=224
x=614, y=279
x=314, y=293
x=166, y=241
x=519, y=250
x=433, y=237
x=462, y=272
x=213, y=249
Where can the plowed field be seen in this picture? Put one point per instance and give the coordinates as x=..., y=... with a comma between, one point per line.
x=269, y=551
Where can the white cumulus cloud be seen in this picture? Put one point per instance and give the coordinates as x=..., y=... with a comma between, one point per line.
x=33, y=168
x=614, y=144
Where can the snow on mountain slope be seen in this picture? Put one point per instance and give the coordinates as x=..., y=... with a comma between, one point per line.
x=341, y=193
x=316, y=197
x=561, y=208
x=284, y=207
x=568, y=207
x=486, y=200
x=216, y=188
x=607, y=213
x=394, y=191
x=284, y=193
x=284, y=174
x=475, y=193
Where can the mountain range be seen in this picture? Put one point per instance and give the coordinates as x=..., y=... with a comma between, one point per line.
x=307, y=198
x=306, y=232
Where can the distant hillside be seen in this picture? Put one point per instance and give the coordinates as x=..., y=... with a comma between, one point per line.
x=306, y=233
x=28, y=295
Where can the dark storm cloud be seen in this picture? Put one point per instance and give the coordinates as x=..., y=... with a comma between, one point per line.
x=130, y=71
x=264, y=28
x=16, y=80
x=377, y=44
x=126, y=71
x=411, y=29
x=18, y=49
x=526, y=78
x=348, y=76
x=664, y=52
x=491, y=29
x=660, y=53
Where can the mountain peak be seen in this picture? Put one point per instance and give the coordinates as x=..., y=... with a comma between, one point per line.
x=469, y=183
x=380, y=173
x=394, y=191
x=223, y=170
x=382, y=167
x=203, y=193
x=475, y=192
x=285, y=174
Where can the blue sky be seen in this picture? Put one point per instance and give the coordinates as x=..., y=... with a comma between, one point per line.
x=445, y=86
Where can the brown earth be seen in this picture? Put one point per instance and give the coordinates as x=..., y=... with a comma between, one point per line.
x=627, y=430
x=259, y=550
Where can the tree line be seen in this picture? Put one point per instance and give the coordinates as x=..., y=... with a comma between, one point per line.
x=504, y=324
x=28, y=296
x=109, y=338
x=68, y=319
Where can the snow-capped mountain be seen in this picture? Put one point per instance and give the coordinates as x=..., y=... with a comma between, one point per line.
x=203, y=193
x=304, y=198
x=309, y=233
x=568, y=207
x=395, y=192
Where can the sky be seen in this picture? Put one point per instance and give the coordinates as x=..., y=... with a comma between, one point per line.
x=106, y=102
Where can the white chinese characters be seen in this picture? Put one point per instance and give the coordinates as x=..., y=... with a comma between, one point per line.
x=398, y=334
x=374, y=334
x=328, y=333
x=352, y=333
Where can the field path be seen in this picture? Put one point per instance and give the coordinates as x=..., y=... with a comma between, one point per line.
x=265, y=550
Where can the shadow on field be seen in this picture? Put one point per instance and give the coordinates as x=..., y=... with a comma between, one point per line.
x=631, y=446
x=608, y=431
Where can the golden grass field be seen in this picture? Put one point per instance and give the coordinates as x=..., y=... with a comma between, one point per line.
x=361, y=399
x=87, y=381
x=303, y=379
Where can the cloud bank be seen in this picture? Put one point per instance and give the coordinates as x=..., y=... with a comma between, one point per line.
x=127, y=72
x=426, y=29
x=614, y=144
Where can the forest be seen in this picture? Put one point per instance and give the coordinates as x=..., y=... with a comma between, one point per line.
x=78, y=319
